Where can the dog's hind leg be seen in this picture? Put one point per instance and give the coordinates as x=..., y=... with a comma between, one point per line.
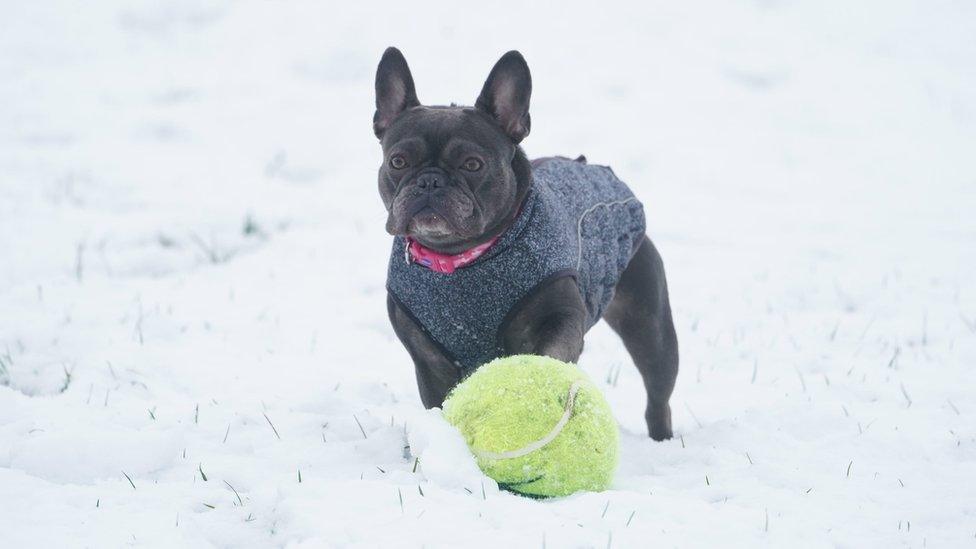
x=640, y=313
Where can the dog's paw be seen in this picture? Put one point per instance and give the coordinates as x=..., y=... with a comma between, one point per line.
x=659, y=421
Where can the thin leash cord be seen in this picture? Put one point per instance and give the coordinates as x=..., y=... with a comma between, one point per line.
x=533, y=446
x=579, y=225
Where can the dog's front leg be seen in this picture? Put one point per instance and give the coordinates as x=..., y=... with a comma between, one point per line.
x=436, y=373
x=550, y=321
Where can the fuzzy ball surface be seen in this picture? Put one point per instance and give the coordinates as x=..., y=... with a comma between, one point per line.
x=511, y=413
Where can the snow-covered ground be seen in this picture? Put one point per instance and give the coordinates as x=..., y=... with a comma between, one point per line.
x=194, y=349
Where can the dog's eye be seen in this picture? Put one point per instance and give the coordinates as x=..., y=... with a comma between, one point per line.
x=472, y=164
x=398, y=162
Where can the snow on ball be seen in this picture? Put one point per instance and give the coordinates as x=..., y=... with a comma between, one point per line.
x=537, y=426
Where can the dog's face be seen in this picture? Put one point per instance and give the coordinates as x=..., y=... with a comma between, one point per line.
x=452, y=177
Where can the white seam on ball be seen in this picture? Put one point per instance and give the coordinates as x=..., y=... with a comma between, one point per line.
x=533, y=446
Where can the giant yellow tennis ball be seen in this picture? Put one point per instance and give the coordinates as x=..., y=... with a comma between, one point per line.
x=536, y=425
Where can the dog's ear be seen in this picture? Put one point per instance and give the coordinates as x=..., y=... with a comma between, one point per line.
x=394, y=90
x=505, y=95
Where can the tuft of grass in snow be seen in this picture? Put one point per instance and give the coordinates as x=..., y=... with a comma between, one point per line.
x=211, y=251
x=363, y=431
x=803, y=383
x=893, y=362
x=239, y=500
x=613, y=374
x=5, y=362
x=905, y=394
x=138, y=325
x=953, y=406
x=67, y=378
x=693, y=416
x=971, y=324
x=272, y=425
x=79, y=260
x=252, y=227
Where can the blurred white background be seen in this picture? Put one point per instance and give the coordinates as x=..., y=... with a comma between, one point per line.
x=191, y=239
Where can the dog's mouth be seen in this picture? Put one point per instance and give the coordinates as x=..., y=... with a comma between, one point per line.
x=435, y=218
x=427, y=223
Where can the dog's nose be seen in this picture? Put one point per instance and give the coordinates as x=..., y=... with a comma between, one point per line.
x=430, y=181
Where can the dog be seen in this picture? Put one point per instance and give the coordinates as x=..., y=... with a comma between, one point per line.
x=497, y=255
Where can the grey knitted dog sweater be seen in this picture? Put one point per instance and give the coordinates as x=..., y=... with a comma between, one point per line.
x=577, y=220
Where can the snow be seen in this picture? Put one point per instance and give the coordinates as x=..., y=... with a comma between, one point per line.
x=192, y=262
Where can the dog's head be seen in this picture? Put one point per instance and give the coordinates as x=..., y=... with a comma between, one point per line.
x=452, y=177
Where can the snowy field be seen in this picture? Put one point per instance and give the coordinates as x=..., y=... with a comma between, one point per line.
x=194, y=349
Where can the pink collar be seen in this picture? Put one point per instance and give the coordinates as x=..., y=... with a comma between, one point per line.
x=443, y=263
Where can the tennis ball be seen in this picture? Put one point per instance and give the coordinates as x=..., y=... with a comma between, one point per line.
x=536, y=425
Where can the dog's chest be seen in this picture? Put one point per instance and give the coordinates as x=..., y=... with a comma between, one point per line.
x=578, y=220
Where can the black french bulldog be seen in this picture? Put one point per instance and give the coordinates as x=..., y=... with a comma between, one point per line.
x=495, y=255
